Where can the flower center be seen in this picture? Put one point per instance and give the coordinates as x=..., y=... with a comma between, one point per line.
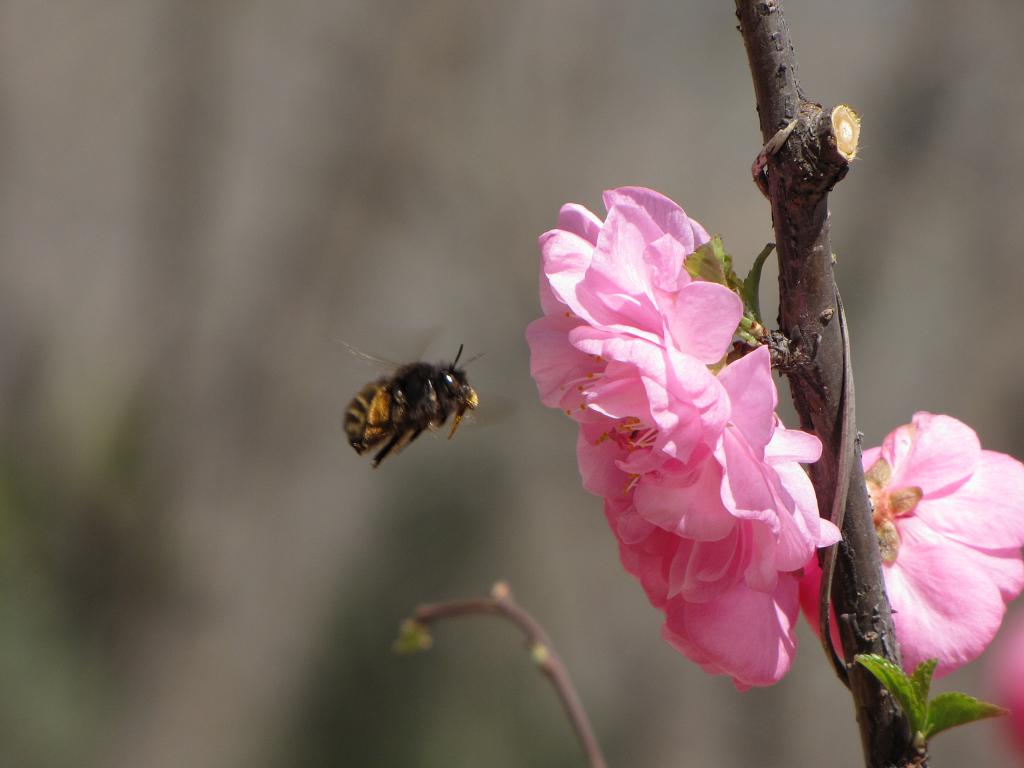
x=889, y=504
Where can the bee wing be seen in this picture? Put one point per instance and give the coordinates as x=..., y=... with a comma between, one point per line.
x=495, y=409
x=377, y=362
x=414, y=346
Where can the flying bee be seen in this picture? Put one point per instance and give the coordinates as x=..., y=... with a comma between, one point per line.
x=394, y=410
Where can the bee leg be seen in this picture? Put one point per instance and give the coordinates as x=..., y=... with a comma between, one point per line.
x=379, y=457
x=396, y=443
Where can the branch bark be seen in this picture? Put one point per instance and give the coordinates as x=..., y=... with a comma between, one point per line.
x=800, y=175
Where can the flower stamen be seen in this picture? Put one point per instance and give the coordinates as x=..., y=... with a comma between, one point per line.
x=579, y=381
x=888, y=505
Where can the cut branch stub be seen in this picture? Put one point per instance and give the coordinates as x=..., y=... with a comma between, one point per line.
x=818, y=154
x=846, y=131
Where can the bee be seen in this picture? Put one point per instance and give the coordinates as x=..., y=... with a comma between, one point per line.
x=395, y=410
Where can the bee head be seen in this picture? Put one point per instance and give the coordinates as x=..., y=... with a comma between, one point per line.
x=456, y=386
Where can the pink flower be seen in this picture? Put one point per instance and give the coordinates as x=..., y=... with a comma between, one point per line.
x=1006, y=679
x=627, y=332
x=950, y=523
x=702, y=484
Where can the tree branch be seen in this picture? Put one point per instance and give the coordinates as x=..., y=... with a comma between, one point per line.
x=800, y=174
x=500, y=603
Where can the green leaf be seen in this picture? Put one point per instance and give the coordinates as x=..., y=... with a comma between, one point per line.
x=413, y=637
x=922, y=678
x=711, y=263
x=898, y=684
x=750, y=292
x=949, y=709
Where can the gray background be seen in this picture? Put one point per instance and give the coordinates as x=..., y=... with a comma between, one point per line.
x=199, y=201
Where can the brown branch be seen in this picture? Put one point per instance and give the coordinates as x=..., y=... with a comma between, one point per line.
x=500, y=603
x=800, y=175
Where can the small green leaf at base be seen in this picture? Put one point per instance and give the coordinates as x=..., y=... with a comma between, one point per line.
x=927, y=718
x=949, y=709
x=413, y=637
x=922, y=678
x=711, y=263
x=750, y=292
x=899, y=685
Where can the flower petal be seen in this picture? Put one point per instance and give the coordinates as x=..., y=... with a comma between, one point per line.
x=746, y=488
x=797, y=485
x=565, y=259
x=597, y=459
x=948, y=600
x=703, y=320
x=704, y=570
x=664, y=259
x=752, y=397
x=709, y=633
x=689, y=381
x=645, y=558
x=619, y=272
x=986, y=512
x=646, y=354
x=935, y=453
x=687, y=504
x=664, y=215
x=579, y=221
x=792, y=445
x=549, y=303
x=555, y=364
x=870, y=456
x=619, y=394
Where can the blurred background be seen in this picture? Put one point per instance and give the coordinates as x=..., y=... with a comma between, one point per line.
x=200, y=201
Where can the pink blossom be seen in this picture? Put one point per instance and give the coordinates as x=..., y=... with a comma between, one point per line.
x=702, y=484
x=1006, y=678
x=626, y=331
x=950, y=523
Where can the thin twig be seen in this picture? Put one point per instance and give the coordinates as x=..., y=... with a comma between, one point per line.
x=813, y=159
x=543, y=653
